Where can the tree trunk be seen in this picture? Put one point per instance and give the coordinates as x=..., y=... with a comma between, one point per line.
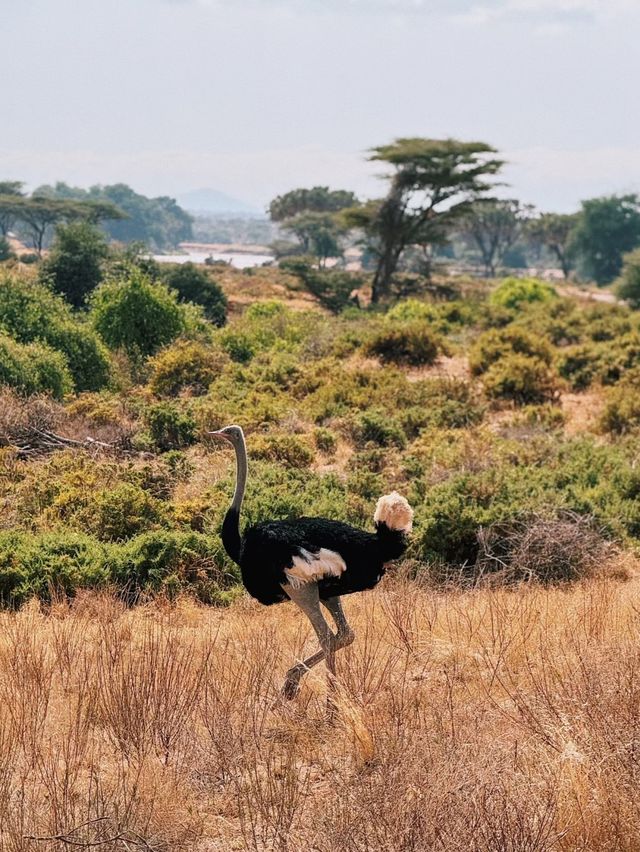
x=384, y=272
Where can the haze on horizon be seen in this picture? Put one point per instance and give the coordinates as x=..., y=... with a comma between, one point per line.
x=255, y=97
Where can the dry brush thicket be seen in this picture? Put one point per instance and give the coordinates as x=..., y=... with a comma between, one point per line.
x=488, y=720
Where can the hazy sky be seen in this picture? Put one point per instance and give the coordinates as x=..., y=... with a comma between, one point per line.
x=254, y=97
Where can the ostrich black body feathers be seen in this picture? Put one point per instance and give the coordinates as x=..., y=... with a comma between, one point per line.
x=267, y=549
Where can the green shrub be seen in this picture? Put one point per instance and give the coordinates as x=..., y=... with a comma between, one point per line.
x=28, y=258
x=171, y=562
x=194, y=284
x=332, y=288
x=545, y=416
x=607, y=362
x=184, y=365
x=291, y=450
x=238, y=345
x=622, y=408
x=123, y=512
x=513, y=292
x=520, y=379
x=411, y=343
x=325, y=440
x=134, y=314
x=33, y=368
x=45, y=565
x=171, y=426
x=627, y=286
x=580, y=365
x=378, y=428
x=74, y=264
x=496, y=344
x=30, y=312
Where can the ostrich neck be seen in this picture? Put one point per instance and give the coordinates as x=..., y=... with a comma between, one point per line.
x=241, y=475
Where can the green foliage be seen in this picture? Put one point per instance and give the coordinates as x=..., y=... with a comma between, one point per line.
x=166, y=562
x=555, y=232
x=496, y=344
x=157, y=222
x=194, y=284
x=378, y=428
x=628, y=285
x=46, y=565
x=622, y=408
x=549, y=476
x=30, y=312
x=318, y=199
x=325, y=440
x=606, y=362
x=432, y=184
x=184, y=365
x=74, y=264
x=607, y=228
x=411, y=343
x=290, y=450
x=171, y=426
x=521, y=379
x=136, y=315
x=512, y=293
x=33, y=368
x=332, y=288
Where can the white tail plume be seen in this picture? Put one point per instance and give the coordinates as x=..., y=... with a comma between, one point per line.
x=394, y=511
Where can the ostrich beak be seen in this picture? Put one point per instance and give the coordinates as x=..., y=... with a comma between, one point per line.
x=220, y=434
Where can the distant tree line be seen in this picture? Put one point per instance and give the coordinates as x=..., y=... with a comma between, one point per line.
x=123, y=215
x=440, y=205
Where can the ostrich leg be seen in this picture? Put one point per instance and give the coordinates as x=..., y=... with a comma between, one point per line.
x=343, y=637
x=307, y=598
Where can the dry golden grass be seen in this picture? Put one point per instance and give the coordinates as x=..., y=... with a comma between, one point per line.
x=488, y=720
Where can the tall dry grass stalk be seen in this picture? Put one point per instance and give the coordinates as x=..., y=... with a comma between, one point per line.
x=481, y=720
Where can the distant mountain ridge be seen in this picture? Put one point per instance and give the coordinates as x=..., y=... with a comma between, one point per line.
x=216, y=203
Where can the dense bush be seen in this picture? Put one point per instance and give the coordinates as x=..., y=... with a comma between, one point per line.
x=33, y=368
x=287, y=449
x=194, y=284
x=514, y=292
x=185, y=365
x=496, y=344
x=520, y=379
x=134, y=314
x=170, y=426
x=411, y=343
x=44, y=566
x=628, y=284
x=30, y=312
x=622, y=408
x=333, y=288
x=74, y=266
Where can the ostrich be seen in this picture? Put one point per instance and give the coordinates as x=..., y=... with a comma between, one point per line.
x=311, y=561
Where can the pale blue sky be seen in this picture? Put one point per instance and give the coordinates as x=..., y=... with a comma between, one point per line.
x=253, y=97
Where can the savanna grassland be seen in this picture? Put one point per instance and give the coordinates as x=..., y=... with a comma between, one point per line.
x=490, y=700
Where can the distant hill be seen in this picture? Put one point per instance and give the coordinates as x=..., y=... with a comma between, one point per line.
x=217, y=204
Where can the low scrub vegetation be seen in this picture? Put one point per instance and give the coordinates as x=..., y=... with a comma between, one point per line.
x=458, y=404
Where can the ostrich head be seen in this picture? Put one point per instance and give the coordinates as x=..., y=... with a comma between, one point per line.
x=233, y=434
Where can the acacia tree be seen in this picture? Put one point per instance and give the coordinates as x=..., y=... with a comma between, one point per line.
x=9, y=191
x=432, y=185
x=555, y=232
x=39, y=215
x=311, y=215
x=318, y=199
x=492, y=226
